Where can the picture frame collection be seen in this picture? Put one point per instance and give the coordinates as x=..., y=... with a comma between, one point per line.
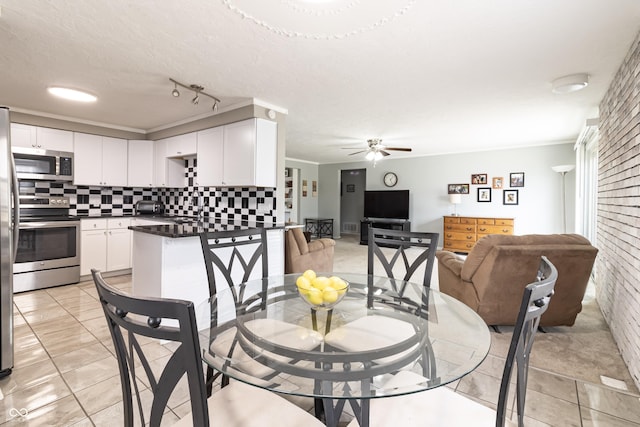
x=510, y=196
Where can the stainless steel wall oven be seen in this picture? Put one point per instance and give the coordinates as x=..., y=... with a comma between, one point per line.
x=48, y=244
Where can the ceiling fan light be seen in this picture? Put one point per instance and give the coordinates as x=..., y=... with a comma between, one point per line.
x=378, y=156
x=371, y=155
x=71, y=94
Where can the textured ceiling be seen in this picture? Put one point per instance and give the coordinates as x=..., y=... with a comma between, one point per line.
x=435, y=75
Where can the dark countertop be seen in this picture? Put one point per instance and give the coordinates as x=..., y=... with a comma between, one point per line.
x=191, y=229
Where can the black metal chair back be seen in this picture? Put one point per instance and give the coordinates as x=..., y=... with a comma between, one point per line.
x=130, y=318
x=535, y=302
x=232, y=257
x=399, y=259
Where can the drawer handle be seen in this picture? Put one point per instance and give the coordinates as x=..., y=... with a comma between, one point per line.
x=469, y=237
x=505, y=230
x=449, y=235
x=483, y=229
x=469, y=228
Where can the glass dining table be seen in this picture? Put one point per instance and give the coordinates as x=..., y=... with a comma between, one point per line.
x=264, y=333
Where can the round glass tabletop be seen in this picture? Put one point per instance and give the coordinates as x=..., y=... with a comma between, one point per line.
x=264, y=333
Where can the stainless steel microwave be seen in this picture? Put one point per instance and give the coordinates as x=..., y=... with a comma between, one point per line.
x=34, y=163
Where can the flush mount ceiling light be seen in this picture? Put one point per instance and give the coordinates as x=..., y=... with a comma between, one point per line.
x=320, y=20
x=197, y=89
x=568, y=84
x=71, y=94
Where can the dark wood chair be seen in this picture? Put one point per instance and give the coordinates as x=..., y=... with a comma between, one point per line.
x=444, y=407
x=133, y=321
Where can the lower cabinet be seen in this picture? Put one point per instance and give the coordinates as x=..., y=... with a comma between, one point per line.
x=105, y=244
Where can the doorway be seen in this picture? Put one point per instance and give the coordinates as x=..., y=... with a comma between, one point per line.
x=353, y=184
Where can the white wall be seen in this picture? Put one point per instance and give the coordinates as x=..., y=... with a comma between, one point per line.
x=538, y=211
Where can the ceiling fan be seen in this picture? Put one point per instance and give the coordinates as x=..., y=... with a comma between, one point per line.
x=376, y=149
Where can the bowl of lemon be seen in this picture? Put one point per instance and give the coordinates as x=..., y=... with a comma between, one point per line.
x=321, y=292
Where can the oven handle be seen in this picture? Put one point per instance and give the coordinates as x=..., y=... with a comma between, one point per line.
x=49, y=224
x=16, y=209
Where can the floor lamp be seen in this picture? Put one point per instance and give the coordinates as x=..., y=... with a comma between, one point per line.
x=562, y=170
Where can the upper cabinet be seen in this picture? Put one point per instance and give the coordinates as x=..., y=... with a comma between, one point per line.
x=100, y=160
x=168, y=172
x=39, y=137
x=140, y=163
x=181, y=145
x=243, y=154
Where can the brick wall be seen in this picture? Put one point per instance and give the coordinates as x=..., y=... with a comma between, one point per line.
x=618, y=263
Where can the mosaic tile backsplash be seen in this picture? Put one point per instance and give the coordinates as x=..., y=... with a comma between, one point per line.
x=232, y=204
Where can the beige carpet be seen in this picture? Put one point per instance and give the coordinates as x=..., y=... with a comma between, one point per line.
x=585, y=351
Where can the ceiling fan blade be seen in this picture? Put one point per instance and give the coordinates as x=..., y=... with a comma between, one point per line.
x=351, y=148
x=358, y=152
x=384, y=153
x=397, y=149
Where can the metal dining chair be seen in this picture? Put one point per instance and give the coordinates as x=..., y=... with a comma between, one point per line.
x=413, y=250
x=133, y=322
x=401, y=254
x=443, y=406
x=233, y=257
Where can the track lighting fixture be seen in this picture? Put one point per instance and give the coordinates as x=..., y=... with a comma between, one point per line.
x=197, y=89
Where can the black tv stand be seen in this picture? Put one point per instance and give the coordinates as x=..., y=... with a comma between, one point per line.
x=388, y=223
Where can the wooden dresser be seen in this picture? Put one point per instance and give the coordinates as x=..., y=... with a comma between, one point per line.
x=462, y=232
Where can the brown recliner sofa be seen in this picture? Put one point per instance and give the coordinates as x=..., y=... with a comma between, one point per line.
x=300, y=255
x=492, y=278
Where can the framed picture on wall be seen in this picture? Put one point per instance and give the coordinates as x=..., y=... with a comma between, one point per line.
x=510, y=197
x=458, y=189
x=484, y=194
x=498, y=182
x=479, y=178
x=516, y=179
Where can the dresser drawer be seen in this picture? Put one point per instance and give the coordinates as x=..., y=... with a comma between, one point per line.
x=495, y=229
x=504, y=221
x=457, y=246
x=452, y=220
x=466, y=228
x=465, y=237
x=467, y=220
x=486, y=221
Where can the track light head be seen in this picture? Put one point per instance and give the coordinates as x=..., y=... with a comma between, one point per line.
x=215, y=106
x=175, y=91
x=196, y=99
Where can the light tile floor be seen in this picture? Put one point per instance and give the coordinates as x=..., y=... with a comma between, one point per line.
x=65, y=373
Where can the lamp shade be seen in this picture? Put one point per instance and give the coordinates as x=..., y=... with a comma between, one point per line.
x=563, y=168
x=455, y=199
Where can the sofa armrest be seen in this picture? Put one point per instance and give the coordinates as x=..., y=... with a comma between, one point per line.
x=320, y=244
x=450, y=261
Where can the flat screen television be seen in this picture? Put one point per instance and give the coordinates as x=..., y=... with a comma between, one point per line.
x=386, y=204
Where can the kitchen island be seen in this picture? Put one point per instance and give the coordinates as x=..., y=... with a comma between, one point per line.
x=168, y=260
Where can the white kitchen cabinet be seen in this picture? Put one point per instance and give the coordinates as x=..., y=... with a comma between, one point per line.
x=210, y=157
x=40, y=137
x=105, y=244
x=182, y=145
x=140, y=160
x=168, y=172
x=249, y=150
x=100, y=160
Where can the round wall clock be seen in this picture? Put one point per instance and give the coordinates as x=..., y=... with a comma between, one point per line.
x=390, y=179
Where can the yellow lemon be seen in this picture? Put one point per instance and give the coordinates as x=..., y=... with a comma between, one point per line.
x=320, y=282
x=303, y=284
x=309, y=274
x=314, y=296
x=338, y=284
x=329, y=295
